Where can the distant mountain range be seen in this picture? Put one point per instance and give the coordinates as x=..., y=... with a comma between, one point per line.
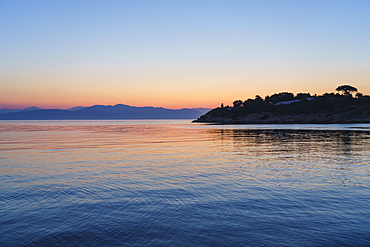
x=101, y=112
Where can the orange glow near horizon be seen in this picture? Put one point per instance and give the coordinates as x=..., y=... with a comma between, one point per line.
x=169, y=89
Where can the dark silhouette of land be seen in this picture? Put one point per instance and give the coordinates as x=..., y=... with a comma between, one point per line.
x=100, y=112
x=285, y=107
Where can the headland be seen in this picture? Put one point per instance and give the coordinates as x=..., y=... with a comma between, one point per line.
x=286, y=108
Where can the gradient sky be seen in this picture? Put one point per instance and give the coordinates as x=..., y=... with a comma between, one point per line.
x=175, y=53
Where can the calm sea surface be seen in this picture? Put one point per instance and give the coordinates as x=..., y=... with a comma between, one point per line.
x=173, y=183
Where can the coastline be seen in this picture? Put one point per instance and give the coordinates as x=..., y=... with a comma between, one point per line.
x=287, y=119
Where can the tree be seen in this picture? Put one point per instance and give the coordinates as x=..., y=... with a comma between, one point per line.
x=346, y=89
x=359, y=95
x=278, y=97
x=237, y=103
x=303, y=96
x=258, y=99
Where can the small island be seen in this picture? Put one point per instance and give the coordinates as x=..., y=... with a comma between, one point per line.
x=345, y=106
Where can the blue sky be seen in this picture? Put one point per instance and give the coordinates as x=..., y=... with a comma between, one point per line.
x=178, y=53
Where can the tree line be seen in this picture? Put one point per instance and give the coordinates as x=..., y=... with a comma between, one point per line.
x=347, y=98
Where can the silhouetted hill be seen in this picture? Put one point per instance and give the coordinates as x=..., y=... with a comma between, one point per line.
x=287, y=108
x=5, y=110
x=76, y=108
x=119, y=111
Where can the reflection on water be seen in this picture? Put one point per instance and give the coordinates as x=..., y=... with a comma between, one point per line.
x=296, y=141
x=335, y=156
x=169, y=183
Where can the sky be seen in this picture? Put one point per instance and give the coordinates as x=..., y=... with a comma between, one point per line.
x=178, y=54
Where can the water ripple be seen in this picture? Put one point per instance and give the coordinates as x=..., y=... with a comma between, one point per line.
x=117, y=184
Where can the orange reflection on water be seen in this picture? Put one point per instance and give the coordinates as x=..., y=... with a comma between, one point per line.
x=176, y=154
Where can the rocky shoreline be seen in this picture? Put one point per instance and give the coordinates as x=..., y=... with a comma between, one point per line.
x=270, y=118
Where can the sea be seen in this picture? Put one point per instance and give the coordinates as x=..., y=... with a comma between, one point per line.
x=177, y=183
